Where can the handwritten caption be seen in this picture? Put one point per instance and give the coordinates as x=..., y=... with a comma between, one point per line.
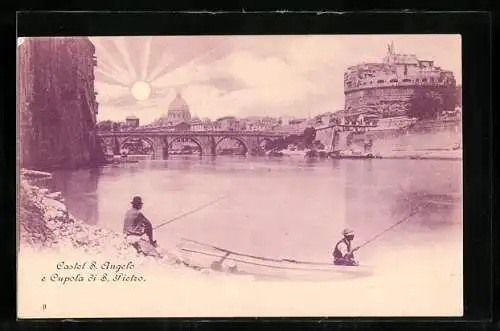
x=92, y=272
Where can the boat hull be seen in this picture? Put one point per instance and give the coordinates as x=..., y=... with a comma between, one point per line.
x=218, y=259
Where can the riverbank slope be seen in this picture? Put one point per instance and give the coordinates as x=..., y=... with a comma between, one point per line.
x=46, y=226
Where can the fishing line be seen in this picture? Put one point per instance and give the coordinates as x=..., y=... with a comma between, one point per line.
x=391, y=227
x=190, y=212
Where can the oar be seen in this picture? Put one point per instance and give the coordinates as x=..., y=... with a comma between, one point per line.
x=224, y=250
x=189, y=212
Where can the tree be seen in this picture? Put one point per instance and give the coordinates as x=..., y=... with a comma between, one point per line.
x=425, y=104
x=104, y=126
x=450, y=99
x=309, y=136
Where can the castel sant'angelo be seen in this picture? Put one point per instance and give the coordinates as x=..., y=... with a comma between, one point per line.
x=385, y=89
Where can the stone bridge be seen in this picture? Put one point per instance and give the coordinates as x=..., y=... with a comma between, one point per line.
x=207, y=141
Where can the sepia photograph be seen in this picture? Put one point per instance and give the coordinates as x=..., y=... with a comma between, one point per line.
x=239, y=176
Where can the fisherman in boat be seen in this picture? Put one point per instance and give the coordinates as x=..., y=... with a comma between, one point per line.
x=136, y=224
x=343, y=254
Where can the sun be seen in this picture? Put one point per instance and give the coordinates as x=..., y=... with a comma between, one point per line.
x=140, y=90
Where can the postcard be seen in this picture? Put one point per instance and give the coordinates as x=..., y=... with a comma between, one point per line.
x=239, y=176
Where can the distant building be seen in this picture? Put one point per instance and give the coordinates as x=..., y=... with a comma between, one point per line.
x=178, y=111
x=285, y=120
x=132, y=121
x=294, y=125
x=197, y=124
x=57, y=102
x=227, y=123
x=387, y=87
x=183, y=126
x=323, y=119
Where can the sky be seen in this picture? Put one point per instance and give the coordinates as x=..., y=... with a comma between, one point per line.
x=244, y=75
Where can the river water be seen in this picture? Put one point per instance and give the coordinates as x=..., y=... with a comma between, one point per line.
x=284, y=207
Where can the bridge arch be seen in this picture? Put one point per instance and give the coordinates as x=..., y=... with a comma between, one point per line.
x=265, y=141
x=150, y=142
x=170, y=142
x=242, y=142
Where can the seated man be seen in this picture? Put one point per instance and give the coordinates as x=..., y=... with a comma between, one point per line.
x=136, y=224
x=343, y=254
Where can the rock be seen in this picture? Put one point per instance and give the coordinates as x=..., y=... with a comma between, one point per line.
x=82, y=238
x=35, y=173
x=55, y=195
x=54, y=204
x=43, y=191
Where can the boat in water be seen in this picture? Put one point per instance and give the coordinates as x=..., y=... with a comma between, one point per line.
x=368, y=156
x=206, y=256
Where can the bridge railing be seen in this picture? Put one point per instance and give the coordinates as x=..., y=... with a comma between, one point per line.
x=276, y=133
x=194, y=133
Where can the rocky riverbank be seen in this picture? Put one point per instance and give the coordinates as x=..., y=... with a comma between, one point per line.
x=46, y=226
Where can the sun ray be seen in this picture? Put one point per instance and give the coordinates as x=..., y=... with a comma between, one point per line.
x=104, y=64
x=120, y=43
x=159, y=55
x=166, y=74
x=122, y=101
x=178, y=62
x=107, y=69
x=165, y=89
x=177, y=65
x=164, y=61
x=174, y=77
x=102, y=76
x=145, y=59
x=135, y=49
x=117, y=59
x=108, y=91
x=110, y=60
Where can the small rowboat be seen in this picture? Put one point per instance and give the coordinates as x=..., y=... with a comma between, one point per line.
x=207, y=256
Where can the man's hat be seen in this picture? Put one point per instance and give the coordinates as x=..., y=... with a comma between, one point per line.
x=348, y=232
x=137, y=201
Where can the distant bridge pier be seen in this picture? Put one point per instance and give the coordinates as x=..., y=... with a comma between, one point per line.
x=158, y=144
x=116, y=146
x=253, y=144
x=213, y=149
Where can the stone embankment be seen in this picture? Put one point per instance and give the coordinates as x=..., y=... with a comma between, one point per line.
x=46, y=225
x=436, y=145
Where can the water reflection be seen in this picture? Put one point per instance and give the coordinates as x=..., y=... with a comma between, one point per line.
x=80, y=191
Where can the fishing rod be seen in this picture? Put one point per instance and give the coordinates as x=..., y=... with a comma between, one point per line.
x=190, y=212
x=389, y=228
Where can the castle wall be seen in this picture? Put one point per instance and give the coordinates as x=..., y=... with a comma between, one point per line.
x=387, y=101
